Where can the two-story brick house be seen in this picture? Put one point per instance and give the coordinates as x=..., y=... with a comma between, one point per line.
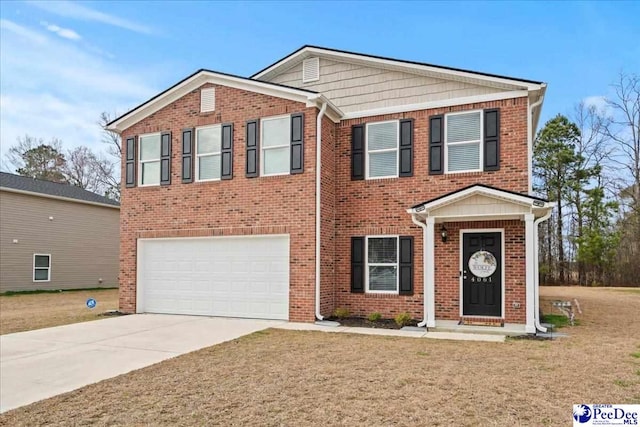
x=334, y=179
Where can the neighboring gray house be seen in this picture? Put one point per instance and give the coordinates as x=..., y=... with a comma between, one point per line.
x=56, y=236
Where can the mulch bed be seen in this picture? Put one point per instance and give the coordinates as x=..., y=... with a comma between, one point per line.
x=361, y=322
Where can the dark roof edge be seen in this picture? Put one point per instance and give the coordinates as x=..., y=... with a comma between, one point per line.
x=196, y=73
x=484, y=186
x=386, y=58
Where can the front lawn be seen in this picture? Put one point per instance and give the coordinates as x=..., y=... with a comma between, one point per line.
x=24, y=312
x=292, y=378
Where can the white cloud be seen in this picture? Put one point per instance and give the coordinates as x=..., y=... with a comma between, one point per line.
x=65, y=33
x=78, y=11
x=53, y=88
x=22, y=32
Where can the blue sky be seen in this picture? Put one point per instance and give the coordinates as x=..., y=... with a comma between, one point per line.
x=63, y=63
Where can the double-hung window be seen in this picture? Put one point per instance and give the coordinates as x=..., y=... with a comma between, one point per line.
x=276, y=146
x=463, y=134
x=41, y=267
x=382, y=149
x=149, y=160
x=382, y=264
x=208, y=153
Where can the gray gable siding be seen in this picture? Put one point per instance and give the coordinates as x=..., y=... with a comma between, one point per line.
x=354, y=87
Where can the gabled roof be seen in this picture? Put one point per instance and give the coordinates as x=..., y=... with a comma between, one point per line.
x=203, y=76
x=22, y=184
x=534, y=202
x=385, y=62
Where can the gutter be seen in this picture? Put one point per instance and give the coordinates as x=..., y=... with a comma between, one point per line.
x=422, y=225
x=530, y=138
x=318, y=177
x=536, y=268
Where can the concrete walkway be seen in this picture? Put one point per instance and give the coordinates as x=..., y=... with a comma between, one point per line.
x=43, y=363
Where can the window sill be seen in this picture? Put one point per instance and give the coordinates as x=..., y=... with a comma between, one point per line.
x=381, y=295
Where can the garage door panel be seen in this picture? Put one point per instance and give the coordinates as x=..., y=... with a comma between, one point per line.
x=238, y=277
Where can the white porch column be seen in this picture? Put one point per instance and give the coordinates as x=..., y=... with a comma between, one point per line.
x=430, y=272
x=530, y=271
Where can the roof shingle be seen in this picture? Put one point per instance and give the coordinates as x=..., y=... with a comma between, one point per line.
x=23, y=183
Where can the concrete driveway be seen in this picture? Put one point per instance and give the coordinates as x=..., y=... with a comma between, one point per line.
x=39, y=364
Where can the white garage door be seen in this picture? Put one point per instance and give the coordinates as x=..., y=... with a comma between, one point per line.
x=215, y=276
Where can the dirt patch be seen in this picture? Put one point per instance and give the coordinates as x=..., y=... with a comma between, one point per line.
x=361, y=322
x=293, y=378
x=25, y=312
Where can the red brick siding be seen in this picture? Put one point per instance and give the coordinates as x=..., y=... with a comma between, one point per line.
x=379, y=206
x=327, y=212
x=242, y=205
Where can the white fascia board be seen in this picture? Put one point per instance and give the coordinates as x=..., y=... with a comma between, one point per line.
x=198, y=80
x=436, y=104
x=65, y=199
x=333, y=112
x=401, y=64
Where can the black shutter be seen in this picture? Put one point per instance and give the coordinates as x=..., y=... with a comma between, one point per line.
x=130, y=165
x=187, y=155
x=226, y=171
x=406, y=147
x=357, y=264
x=297, y=143
x=253, y=136
x=357, y=152
x=492, y=139
x=436, y=145
x=406, y=265
x=165, y=158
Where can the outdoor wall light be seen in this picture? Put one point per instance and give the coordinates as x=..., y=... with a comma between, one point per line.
x=443, y=233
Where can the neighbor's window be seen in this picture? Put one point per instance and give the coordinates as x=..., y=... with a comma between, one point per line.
x=464, y=141
x=208, y=146
x=382, y=149
x=382, y=264
x=150, y=159
x=276, y=145
x=41, y=267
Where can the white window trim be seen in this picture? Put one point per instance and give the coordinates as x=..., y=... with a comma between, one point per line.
x=141, y=162
x=479, y=142
x=41, y=268
x=197, y=168
x=385, y=150
x=367, y=265
x=262, y=147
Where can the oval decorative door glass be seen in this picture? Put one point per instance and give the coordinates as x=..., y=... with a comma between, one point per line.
x=482, y=264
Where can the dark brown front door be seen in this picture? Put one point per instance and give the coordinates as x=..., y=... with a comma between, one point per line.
x=482, y=274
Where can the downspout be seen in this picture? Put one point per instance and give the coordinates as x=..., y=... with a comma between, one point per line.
x=536, y=267
x=318, y=177
x=424, y=272
x=530, y=139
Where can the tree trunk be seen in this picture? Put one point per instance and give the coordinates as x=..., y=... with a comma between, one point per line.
x=560, y=243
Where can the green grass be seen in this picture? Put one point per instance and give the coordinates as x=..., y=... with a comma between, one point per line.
x=49, y=291
x=629, y=290
x=558, y=320
x=636, y=354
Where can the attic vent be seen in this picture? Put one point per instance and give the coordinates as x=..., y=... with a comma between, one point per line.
x=207, y=100
x=310, y=70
